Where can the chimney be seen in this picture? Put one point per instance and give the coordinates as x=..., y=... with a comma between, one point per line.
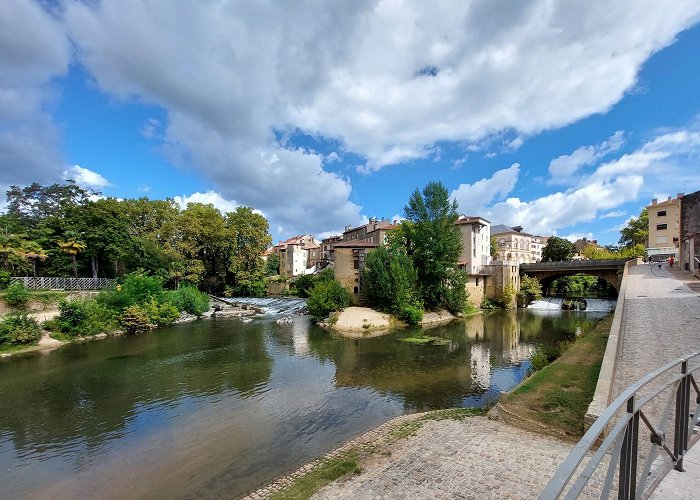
x=669, y=198
x=654, y=201
x=347, y=228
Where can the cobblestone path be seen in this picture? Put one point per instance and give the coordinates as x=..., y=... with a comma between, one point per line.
x=472, y=458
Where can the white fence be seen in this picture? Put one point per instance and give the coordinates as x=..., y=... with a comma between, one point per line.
x=42, y=283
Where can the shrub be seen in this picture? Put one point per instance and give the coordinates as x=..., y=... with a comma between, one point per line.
x=17, y=296
x=135, y=319
x=455, y=291
x=303, y=285
x=544, y=355
x=190, y=300
x=161, y=314
x=326, y=297
x=4, y=279
x=19, y=328
x=137, y=288
x=411, y=314
x=48, y=298
x=85, y=317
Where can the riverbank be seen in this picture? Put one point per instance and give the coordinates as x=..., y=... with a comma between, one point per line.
x=366, y=322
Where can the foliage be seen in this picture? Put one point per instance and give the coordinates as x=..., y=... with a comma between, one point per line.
x=594, y=252
x=16, y=296
x=85, y=317
x=542, y=356
x=507, y=299
x=558, y=249
x=530, y=290
x=489, y=305
x=135, y=318
x=137, y=288
x=272, y=265
x=19, y=328
x=4, y=279
x=161, y=313
x=455, y=293
x=389, y=282
x=411, y=314
x=433, y=242
x=326, y=297
x=494, y=246
x=637, y=231
x=190, y=300
x=303, y=284
x=581, y=285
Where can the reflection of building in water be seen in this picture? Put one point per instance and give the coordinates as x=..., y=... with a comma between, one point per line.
x=300, y=337
x=481, y=365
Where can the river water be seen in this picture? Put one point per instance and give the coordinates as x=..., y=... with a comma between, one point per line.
x=219, y=407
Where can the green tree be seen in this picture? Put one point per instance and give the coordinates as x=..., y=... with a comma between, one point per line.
x=72, y=246
x=494, y=246
x=433, y=241
x=530, y=290
x=389, y=280
x=636, y=232
x=35, y=203
x=327, y=297
x=272, y=265
x=250, y=238
x=558, y=249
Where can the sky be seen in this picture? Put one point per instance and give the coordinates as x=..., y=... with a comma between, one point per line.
x=564, y=117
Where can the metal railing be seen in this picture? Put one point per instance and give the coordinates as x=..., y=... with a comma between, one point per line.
x=44, y=283
x=621, y=444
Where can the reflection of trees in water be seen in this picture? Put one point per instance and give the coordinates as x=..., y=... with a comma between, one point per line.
x=87, y=393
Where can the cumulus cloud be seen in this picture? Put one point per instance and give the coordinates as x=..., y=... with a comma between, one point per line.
x=563, y=168
x=33, y=49
x=387, y=80
x=209, y=198
x=612, y=214
x=473, y=198
x=85, y=177
x=660, y=163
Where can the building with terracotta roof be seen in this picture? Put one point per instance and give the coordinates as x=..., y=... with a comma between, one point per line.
x=297, y=254
x=349, y=264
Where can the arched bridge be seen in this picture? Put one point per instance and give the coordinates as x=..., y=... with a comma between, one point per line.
x=609, y=270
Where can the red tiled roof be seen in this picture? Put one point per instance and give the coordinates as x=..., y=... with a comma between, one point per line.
x=355, y=244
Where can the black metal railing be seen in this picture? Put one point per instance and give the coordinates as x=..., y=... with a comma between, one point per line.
x=620, y=446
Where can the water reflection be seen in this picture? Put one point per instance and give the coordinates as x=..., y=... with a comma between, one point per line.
x=224, y=406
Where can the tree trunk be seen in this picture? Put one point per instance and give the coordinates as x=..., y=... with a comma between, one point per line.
x=116, y=269
x=34, y=267
x=93, y=261
x=75, y=266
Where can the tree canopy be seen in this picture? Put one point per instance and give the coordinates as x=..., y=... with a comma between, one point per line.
x=637, y=231
x=558, y=249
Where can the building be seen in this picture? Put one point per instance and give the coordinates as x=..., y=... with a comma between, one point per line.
x=513, y=245
x=690, y=233
x=349, y=263
x=375, y=231
x=327, y=253
x=581, y=244
x=297, y=254
x=664, y=228
x=476, y=243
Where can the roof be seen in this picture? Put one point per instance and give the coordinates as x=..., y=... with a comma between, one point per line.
x=471, y=219
x=380, y=224
x=501, y=229
x=355, y=244
x=384, y=228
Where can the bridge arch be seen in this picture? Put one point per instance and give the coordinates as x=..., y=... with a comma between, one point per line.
x=608, y=270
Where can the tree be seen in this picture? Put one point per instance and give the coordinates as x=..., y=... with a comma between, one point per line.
x=433, y=242
x=250, y=238
x=637, y=231
x=558, y=249
x=272, y=265
x=494, y=246
x=389, y=280
x=530, y=290
x=72, y=247
x=34, y=203
x=326, y=297
x=34, y=252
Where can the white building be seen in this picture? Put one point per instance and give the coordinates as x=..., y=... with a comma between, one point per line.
x=476, y=243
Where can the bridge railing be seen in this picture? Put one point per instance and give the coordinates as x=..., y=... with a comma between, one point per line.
x=619, y=428
x=51, y=283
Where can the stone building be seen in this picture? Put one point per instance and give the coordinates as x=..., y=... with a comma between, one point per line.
x=349, y=264
x=297, y=254
x=664, y=228
x=375, y=231
x=690, y=233
x=513, y=245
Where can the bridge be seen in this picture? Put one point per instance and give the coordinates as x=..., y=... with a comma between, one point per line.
x=546, y=272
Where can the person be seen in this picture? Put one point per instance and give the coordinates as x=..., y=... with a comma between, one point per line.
x=670, y=261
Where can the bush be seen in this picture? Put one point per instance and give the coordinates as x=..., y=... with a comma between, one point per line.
x=160, y=314
x=19, y=328
x=17, y=296
x=303, y=285
x=85, y=317
x=190, y=300
x=326, y=297
x=455, y=291
x=544, y=355
x=4, y=279
x=137, y=288
x=411, y=314
x=135, y=319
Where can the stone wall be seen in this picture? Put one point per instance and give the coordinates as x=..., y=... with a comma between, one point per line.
x=501, y=274
x=690, y=226
x=345, y=272
x=476, y=287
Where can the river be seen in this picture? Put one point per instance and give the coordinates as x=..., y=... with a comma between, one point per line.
x=219, y=407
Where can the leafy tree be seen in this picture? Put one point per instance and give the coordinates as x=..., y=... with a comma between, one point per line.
x=35, y=203
x=558, y=249
x=304, y=284
x=389, y=280
x=34, y=252
x=72, y=247
x=637, y=231
x=494, y=246
x=433, y=241
x=272, y=265
x=530, y=290
x=327, y=297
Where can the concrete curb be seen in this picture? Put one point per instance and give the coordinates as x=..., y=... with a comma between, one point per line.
x=604, y=388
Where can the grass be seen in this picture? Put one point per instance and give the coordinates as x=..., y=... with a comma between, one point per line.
x=558, y=395
x=330, y=469
x=326, y=472
x=15, y=347
x=425, y=340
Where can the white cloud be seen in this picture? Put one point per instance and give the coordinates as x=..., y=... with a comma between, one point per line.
x=473, y=198
x=85, y=177
x=563, y=168
x=33, y=49
x=573, y=237
x=332, y=157
x=614, y=213
x=208, y=198
x=387, y=80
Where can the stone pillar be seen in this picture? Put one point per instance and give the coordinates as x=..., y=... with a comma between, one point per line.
x=691, y=256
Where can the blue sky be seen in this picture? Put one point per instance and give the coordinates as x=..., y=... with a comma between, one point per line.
x=566, y=119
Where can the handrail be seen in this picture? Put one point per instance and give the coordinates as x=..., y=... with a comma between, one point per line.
x=629, y=422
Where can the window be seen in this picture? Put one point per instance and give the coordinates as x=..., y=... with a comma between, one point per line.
x=355, y=290
x=659, y=227
x=477, y=282
x=661, y=213
x=355, y=264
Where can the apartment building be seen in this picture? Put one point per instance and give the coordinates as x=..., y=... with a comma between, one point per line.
x=476, y=243
x=664, y=228
x=513, y=245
